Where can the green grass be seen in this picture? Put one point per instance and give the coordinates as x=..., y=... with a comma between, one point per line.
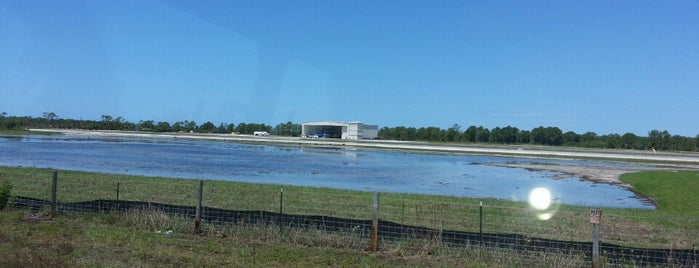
x=674, y=225
x=130, y=240
x=676, y=192
x=112, y=240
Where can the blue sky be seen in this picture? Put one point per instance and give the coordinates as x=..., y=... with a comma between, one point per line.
x=601, y=66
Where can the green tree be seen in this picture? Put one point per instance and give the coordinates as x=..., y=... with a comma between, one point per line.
x=177, y=126
x=453, y=133
x=571, y=138
x=163, y=127
x=482, y=134
x=613, y=141
x=431, y=134
x=588, y=139
x=146, y=125
x=50, y=116
x=547, y=136
x=400, y=133
x=284, y=129
x=221, y=128
x=243, y=128
x=385, y=133
x=184, y=126
x=509, y=134
x=409, y=133
x=230, y=128
x=249, y=128
x=296, y=130
x=680, y=143
x=495, y=135
x=666, y=140
x=190, y=126
x=555, y=136
x=470, y=134
x=106, y=122
x=121, y=124
x=422, y=134
x=207, y=127
x=655, y=138
x=106, y=118
x=524, y=137
x=629, y=141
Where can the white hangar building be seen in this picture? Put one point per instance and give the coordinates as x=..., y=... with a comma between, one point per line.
x=340, y=130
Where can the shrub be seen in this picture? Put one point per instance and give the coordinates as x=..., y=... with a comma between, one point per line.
x=5, y=188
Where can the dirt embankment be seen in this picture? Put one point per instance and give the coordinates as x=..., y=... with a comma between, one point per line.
x=594, y=173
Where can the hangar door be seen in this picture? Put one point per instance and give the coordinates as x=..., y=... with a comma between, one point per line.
x=323, y=131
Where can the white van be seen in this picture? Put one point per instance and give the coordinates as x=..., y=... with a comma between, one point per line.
x=260, y=133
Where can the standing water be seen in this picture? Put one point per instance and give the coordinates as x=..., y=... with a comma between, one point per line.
x=360, y=169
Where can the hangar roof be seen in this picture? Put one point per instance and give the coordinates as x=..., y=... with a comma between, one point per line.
x=329, y=123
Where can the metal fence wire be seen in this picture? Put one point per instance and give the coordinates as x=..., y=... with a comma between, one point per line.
x=373, y=219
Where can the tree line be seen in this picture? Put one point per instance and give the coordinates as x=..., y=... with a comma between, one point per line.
x=552, y=136
x=108, y=122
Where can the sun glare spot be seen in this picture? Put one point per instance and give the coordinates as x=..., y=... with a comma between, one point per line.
x=540, y=198
x=545, y=216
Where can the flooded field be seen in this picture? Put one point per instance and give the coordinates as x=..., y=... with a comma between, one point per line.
x=355, y=169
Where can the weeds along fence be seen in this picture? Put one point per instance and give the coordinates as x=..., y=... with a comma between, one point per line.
x=634, y=237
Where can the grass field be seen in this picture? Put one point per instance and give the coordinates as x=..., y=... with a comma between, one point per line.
x=130, y=239
x=676, y=192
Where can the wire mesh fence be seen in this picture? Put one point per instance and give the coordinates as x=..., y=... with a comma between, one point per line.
x=397, y=219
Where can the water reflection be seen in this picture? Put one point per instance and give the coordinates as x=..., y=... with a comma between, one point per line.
x=346, y=152
x=11, y=138
x=355, y=169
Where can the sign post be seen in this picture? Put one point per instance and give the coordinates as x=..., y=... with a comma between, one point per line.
x=595, y=218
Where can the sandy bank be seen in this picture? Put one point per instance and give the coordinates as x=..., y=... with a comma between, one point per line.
x=594, y=173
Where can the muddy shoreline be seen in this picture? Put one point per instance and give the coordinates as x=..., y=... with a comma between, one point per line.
x=593, y=173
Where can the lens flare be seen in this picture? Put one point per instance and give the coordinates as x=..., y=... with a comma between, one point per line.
x=544, y=216
x=540, y=198
x=542, y=202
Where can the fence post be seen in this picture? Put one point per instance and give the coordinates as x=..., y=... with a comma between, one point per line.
x=375, y=224
x=281, y=211
x=197, y=216
x=480, y=220
x=54, y=188
x=117, y=199
x=595, y=217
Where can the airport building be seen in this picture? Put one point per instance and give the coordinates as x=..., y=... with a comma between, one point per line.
x=340, y=130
